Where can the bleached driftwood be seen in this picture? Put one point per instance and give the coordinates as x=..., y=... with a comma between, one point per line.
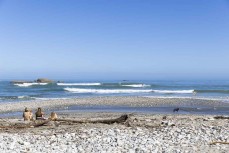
x=121, y=119
x=31, y=125
x=220, y=142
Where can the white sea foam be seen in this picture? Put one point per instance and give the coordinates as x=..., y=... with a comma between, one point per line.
x=78, y=84
x=79, y=90
x=21, y=97
x=29, y=84
x=25, y=97
x=136, y=85
x=104, y=91
x=174, y=91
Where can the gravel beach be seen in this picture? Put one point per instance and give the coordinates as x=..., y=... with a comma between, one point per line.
x=140, y=133
x=144, y=133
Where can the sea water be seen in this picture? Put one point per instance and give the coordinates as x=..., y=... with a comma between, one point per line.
x=10, y=92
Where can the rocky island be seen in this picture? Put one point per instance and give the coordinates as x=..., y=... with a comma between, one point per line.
x=39, y=80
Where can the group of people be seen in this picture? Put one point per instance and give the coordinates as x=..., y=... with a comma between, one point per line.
x=28, y=115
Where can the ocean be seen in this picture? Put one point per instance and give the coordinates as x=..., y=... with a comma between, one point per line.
x=72, y=89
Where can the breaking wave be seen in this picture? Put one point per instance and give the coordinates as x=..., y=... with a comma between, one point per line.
x=136, y=85
x=29, y=84
x=78, y=84
x=101, y=91
x=174, y=91
x=104, y=91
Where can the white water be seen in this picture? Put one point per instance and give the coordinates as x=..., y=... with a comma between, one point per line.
x=78, y=84
x=21, y=97
x=174, y=91
x=105, y=91
x=30, y=84
x=136, y=85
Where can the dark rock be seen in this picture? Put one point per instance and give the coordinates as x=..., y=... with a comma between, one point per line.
x=43, y=80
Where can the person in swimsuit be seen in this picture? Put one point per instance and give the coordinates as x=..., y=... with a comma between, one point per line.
x=39, y=114
x=27, y=115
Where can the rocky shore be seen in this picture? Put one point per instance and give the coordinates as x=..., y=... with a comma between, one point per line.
x=143, y=133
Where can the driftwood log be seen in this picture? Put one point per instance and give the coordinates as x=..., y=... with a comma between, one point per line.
x=220, y=142
x=121, y=119
x=31, y=125
x=41, y=123
x=221, y=117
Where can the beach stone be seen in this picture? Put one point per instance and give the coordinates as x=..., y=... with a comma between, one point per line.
x=26, y=143
x=21, y=143
x=119, y=138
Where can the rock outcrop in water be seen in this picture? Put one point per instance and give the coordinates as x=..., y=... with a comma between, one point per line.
x=44, y=80
x=39, y=80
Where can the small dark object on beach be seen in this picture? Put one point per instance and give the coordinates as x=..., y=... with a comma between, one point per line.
x=176, y=109
x=164, y=117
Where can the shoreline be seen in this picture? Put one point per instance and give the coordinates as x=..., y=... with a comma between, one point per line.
x=124, y=101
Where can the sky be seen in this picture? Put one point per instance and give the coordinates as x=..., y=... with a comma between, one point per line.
x=114, y=39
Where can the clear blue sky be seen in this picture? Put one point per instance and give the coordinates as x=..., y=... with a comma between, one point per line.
x=114, y=39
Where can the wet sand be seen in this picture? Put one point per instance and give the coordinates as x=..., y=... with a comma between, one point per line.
x=65, y=104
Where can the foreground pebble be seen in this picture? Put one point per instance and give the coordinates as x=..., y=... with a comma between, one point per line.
x=121, y=139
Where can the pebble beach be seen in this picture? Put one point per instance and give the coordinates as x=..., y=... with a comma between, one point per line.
x=142, y=132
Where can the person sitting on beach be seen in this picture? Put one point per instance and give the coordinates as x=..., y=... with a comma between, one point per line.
x=39, y=114
x=27, y=115
x=53, y=116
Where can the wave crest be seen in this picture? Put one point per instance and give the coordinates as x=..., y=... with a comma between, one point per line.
x=30, y=84
x=104, y=91
x=174, y=91
x=78, y=84
x=136, y=85
x=107, y=91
